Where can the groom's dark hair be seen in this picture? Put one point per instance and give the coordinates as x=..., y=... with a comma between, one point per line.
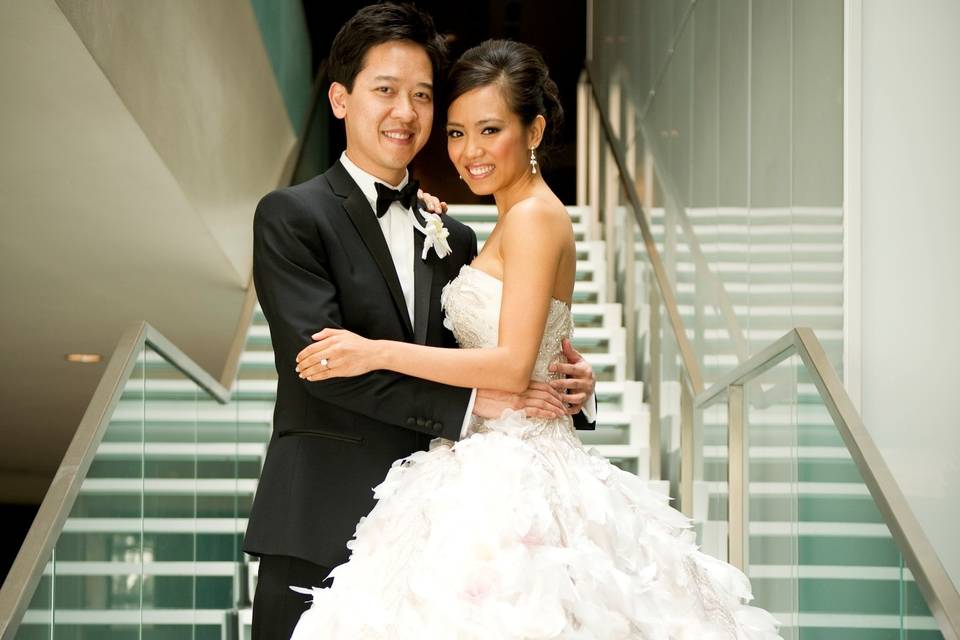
x=379, y=23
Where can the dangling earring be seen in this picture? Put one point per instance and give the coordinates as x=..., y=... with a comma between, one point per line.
x=533, y=162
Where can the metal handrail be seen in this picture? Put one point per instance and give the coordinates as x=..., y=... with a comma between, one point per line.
x=691, y=378
x=690, y=364
x=919, y=555
x=27, y=569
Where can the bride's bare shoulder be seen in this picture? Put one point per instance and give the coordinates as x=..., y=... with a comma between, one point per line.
x=538, y=211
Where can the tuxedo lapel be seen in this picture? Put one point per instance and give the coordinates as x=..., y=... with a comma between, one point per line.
x=365, y=220
x=422, y=284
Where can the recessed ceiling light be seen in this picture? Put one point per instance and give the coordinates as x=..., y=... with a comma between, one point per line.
x=85, y=358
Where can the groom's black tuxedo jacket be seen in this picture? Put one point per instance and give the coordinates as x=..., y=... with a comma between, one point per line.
x=320, y=260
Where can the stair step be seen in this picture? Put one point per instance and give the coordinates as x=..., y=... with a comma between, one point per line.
x=116, y=568
x=156, y=525
x=169, y=486
x=110, y=619
x=754, y=300
x=757, y=216
x=607, y=366
x=759, y=235
x=178, y=450
x=587, y=315
x=621, y=395
x=473, y=213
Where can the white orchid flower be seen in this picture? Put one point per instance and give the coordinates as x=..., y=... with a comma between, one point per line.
x=435, y=235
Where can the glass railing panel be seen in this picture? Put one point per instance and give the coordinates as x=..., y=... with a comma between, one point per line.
x=704, y=304
x=669, y=419
x=774, y=502
x=916, y=621
x=710, y=491
x=745, y=126
x=95, y=569
x=224, y=494
x=819, y=554
x=851, y=572
x=170, y=496
x=38, y=619
x=151, y=546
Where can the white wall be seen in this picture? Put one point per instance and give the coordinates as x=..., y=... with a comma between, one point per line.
x=911, y=254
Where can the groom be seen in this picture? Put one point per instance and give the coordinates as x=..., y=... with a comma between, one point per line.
x=341, y=250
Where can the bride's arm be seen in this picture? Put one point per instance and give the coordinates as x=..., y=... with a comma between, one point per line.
x=532, y=242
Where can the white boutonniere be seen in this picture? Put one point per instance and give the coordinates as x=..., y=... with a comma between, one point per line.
x=435, y=235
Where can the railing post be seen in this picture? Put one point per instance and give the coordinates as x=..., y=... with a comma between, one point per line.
x=737, y=496
x=630, y=295
x=593, y=176
x=686, y=447
x=653, y=382
x=611, y=199
x=583, y=152
x=611, y=188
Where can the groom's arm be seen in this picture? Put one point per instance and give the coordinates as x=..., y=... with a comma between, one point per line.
x=298, y=297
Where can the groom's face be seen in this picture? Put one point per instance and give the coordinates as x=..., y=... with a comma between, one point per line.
x=389, y=113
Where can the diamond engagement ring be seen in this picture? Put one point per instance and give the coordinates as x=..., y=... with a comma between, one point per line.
x=324, y=363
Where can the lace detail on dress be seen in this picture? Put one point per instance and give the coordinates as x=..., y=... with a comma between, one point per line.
x=471, y=302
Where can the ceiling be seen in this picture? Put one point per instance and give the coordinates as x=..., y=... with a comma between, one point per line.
x=136, y=144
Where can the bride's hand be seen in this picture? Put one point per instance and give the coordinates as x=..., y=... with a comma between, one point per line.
x=433, y=204
x=337, y=353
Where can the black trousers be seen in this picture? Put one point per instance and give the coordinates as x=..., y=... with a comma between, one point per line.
x=276, y=607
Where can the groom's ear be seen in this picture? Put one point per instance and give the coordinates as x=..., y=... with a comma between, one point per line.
x=337, y=94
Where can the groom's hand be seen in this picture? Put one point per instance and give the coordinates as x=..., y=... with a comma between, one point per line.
x=540, y=400
x=580, y=382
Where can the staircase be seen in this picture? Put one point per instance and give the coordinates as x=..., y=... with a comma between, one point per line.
x=152, y=546
x=818, y=543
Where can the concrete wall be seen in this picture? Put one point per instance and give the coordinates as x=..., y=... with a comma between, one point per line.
x=138, y=137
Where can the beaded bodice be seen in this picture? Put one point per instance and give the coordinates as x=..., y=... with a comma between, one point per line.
x=471, y=302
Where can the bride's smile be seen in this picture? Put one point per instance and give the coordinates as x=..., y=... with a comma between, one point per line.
x=489, y=144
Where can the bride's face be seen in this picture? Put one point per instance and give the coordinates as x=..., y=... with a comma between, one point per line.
x=487, y=142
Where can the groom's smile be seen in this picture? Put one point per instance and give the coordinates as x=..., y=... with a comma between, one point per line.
x=399, y=136
x=389, y=110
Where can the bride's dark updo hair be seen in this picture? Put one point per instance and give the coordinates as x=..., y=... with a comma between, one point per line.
x=523, y=77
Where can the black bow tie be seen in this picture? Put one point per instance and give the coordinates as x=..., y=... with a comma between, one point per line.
x=406, y=196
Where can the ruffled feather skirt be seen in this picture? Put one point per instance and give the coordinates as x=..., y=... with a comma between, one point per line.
x=518, y=532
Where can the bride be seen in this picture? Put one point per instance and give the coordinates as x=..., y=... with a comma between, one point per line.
x=515, y=532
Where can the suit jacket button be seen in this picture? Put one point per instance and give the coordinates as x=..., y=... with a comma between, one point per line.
x=421, y=422
x=411, y=421
x=437, y=427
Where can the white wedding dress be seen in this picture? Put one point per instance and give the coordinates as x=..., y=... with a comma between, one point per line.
x=517, y=532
